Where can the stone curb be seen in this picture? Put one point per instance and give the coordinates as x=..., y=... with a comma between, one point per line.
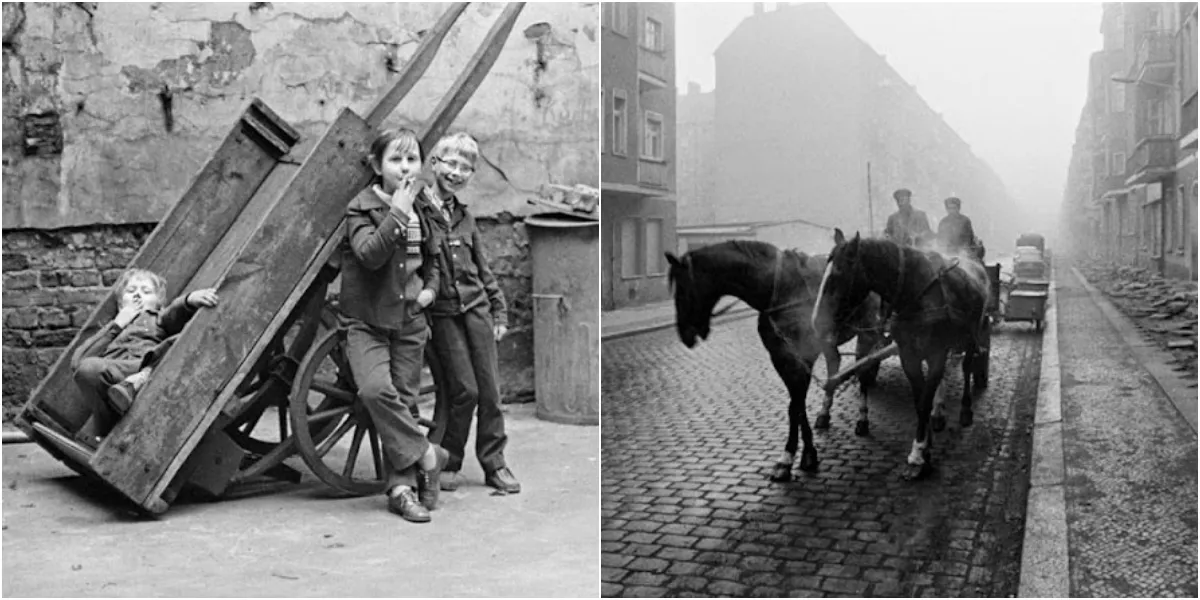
x=1044, y=568
x=1152, y=358
x=740, y=312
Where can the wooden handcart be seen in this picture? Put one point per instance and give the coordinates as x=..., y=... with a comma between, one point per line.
x=263, y=377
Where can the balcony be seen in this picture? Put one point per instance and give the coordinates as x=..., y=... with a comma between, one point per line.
x=653, y=174
x=1153, y=158
x=1155, y=57
x=653, y=64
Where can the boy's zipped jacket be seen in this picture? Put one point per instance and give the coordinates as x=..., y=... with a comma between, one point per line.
x=377, y=288
x=467, y=280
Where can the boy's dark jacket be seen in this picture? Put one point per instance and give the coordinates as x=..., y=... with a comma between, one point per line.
x=376, y=288
x=466, y=279
x=141, y=336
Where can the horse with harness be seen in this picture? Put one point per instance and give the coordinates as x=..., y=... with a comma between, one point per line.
x=937, y=305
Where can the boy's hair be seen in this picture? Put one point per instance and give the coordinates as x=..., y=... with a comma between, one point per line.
x=408, y=141
x=160, y=284
x=459, y=143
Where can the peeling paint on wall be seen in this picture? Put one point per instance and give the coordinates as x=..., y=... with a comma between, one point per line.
x=142, y=94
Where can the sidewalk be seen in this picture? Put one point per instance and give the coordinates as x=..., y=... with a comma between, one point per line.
x=1112, y=505
x=617, y=324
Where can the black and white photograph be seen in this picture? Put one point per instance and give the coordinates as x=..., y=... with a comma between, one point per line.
x=898, y=299
x=301, y=299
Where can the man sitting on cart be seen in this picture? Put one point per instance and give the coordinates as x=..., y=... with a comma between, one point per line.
x=955, y=235
x=908, y=226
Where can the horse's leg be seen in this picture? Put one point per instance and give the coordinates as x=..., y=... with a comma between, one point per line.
x=918, y=457
x=795, y=371
x=866, y=381
x=937, y=419
x=833, y=364
x=965, y=415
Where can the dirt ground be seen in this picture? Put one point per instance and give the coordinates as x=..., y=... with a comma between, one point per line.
x=67, y=536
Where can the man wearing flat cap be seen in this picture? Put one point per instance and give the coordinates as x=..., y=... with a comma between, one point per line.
x=908, y=226
x=955, y=234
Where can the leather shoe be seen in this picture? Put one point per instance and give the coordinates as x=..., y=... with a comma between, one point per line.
x=503, y=480
x=120, y=397
x=448, y=481
x=429, y=482
x=407, y=506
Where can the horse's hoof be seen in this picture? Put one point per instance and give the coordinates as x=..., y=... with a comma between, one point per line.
x=822, y=422
x=862, y=428
x=916, y=472
x=808, y=462
x=938, y=422
x=966, y=418
x=781, y=473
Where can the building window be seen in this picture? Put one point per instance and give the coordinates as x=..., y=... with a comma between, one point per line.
x=621, y=17
x=1119, y=31
x=1116, y=97
x=653, y=247
x=1118, y=163
x=652, y=136
x=620, y=141
x=630, y=266
x=652, y=37
x=1158, y=118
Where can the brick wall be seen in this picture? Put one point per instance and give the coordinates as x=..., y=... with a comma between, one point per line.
x=54, y=279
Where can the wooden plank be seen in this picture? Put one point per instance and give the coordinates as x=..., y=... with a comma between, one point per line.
x=149, y=445
x=416, y=66
x=175, y=250
x=468, y=81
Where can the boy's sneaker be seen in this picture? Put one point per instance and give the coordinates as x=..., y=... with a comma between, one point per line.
x=503, y=480
x=121, y=396
x=448, y=481
x=406, y=505
x=428, y=482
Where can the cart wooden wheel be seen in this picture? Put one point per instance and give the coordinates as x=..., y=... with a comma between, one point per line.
x=323, y=394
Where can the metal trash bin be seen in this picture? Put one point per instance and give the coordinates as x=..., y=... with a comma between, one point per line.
x=566, y=317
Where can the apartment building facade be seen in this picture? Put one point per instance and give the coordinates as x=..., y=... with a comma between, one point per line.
x=638, y=154
x=821, y=131
x=1142, y=110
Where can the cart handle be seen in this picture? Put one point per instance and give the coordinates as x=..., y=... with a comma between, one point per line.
x=416, y=67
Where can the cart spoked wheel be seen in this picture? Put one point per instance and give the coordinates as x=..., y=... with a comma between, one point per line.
x=323, y=398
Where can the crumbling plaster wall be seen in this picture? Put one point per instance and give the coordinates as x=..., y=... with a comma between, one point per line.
x=124, y=102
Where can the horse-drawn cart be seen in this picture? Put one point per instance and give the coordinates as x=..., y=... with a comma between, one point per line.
x=889, y=348
x=263, y=377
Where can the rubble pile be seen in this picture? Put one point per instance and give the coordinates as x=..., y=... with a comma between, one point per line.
x=1164, y=309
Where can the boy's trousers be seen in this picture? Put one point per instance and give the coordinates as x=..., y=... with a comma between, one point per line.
x=94, y=376
x=386, y=364
x=466, y=355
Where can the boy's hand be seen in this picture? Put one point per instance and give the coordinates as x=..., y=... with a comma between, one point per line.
x=203, y=298
x=127, y=314
x=499, y=331
x=405, y=194
x=425, y=298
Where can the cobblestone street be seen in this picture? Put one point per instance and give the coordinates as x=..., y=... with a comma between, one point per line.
x=687, y=509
